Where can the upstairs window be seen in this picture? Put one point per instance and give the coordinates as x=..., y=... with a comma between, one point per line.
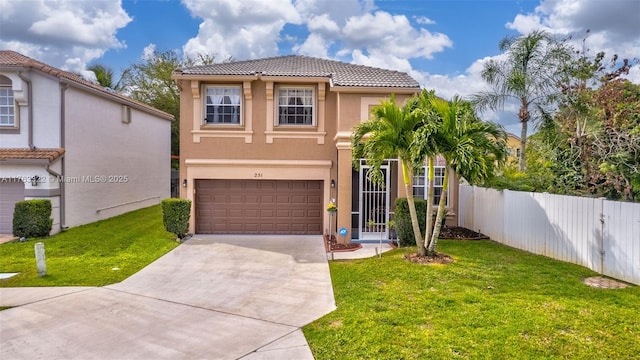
x=295, y=106
x=223, y=105
x=7, y=103
x=421, y=185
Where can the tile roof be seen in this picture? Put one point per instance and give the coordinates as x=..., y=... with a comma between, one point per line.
x=36, y=154
x=9, y=58
x=340, y=73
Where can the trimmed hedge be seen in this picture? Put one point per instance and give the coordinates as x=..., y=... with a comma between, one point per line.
x=175, y=216
x=402, y=217
x=32, y=218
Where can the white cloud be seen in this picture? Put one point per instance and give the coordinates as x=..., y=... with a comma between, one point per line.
x=315, y=45
x=148, y=51
x=62, y=33
x=384, y=32
x=613, y=24
x=323, y=25
x=242, y=29
x=423, y=20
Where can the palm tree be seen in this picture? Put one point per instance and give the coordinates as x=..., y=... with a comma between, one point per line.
x=104, y=76
x=390, y=135
x=469, y=146
x=428, y=147
x=529, y=75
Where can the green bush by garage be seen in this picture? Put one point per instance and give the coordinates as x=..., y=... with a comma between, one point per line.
x=32, y=218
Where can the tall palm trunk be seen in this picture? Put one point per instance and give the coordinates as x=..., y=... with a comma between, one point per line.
x=441, y=206
x=430, y=194
x=412, y=206
x=524, y=120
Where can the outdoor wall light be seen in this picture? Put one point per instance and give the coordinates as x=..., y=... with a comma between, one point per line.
x=34, y=180
x=333, y=183
x=184, y=183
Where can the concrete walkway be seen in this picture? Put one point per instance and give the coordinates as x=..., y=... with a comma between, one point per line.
x=214, y=297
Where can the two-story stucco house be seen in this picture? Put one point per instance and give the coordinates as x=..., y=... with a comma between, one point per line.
x=92, y=152
x=265, y=146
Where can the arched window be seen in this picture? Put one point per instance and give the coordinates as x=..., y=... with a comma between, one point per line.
x=7, y=103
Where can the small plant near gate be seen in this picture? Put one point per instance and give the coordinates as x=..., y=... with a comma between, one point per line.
x=32, y=218
x=175, y=216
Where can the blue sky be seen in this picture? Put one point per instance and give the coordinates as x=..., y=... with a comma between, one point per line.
x=441, y=43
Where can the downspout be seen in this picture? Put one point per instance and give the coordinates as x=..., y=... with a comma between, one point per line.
x=61, y=182
x=29, y=108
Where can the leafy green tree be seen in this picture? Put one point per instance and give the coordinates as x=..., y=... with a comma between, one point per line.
x=529, y=75
x=390, y=135
x=474, y=149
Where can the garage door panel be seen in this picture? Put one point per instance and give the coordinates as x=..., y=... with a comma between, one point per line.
x=283, y=213
x=313, y=199
x=251, y=199
x=259, y=206
x=11, y=192
x=267, y=199
x=254, y=213
x=299, y=199
x=267, y=213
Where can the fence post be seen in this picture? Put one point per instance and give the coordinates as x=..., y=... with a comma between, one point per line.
x=602, y=232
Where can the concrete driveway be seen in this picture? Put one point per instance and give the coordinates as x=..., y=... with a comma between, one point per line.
x=213, y=297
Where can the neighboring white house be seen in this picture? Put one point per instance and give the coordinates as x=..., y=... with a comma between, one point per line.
x=92, y=152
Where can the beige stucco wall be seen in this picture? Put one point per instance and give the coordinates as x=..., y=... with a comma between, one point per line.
x=250, y=151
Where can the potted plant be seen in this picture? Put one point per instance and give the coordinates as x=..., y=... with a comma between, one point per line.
x=372, y=225
x=444, y=216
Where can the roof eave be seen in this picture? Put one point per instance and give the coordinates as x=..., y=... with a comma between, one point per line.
x=213, y=77
x=122, y=100
x=18, y=161
x=375, y=89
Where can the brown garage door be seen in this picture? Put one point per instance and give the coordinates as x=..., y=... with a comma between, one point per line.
x=258, y=207
x=11, y=192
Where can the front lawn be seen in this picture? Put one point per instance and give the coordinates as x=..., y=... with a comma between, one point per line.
x=95, y=254
x=493, y=302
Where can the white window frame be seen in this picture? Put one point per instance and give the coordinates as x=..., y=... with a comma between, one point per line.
x=287, y=106
x=8, y=118
x=420, y=183
x=238, y=108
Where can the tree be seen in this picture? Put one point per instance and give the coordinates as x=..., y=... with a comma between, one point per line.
x=390, y=135
x=427, y=148
x=474, y=149
x=529, y=75
x=149, y=81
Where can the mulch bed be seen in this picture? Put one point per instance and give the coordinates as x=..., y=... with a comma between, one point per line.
x=435, y=259
x=460, y=233
x=447, y=232
x=333, y=245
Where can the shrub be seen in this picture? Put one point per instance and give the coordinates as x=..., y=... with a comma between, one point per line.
x=404, y=230
x=32, y=218
x=175, y=216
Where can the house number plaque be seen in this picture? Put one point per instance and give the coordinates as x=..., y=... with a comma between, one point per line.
x=257, y=175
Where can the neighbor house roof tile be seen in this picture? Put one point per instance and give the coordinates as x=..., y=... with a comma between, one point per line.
x=340, y=73
x=36, y=154
x=9, y=58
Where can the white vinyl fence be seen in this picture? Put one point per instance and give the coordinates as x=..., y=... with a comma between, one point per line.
x=599, y=234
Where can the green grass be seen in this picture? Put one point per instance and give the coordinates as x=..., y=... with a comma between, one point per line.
x=86, y=255
x=493, y=302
